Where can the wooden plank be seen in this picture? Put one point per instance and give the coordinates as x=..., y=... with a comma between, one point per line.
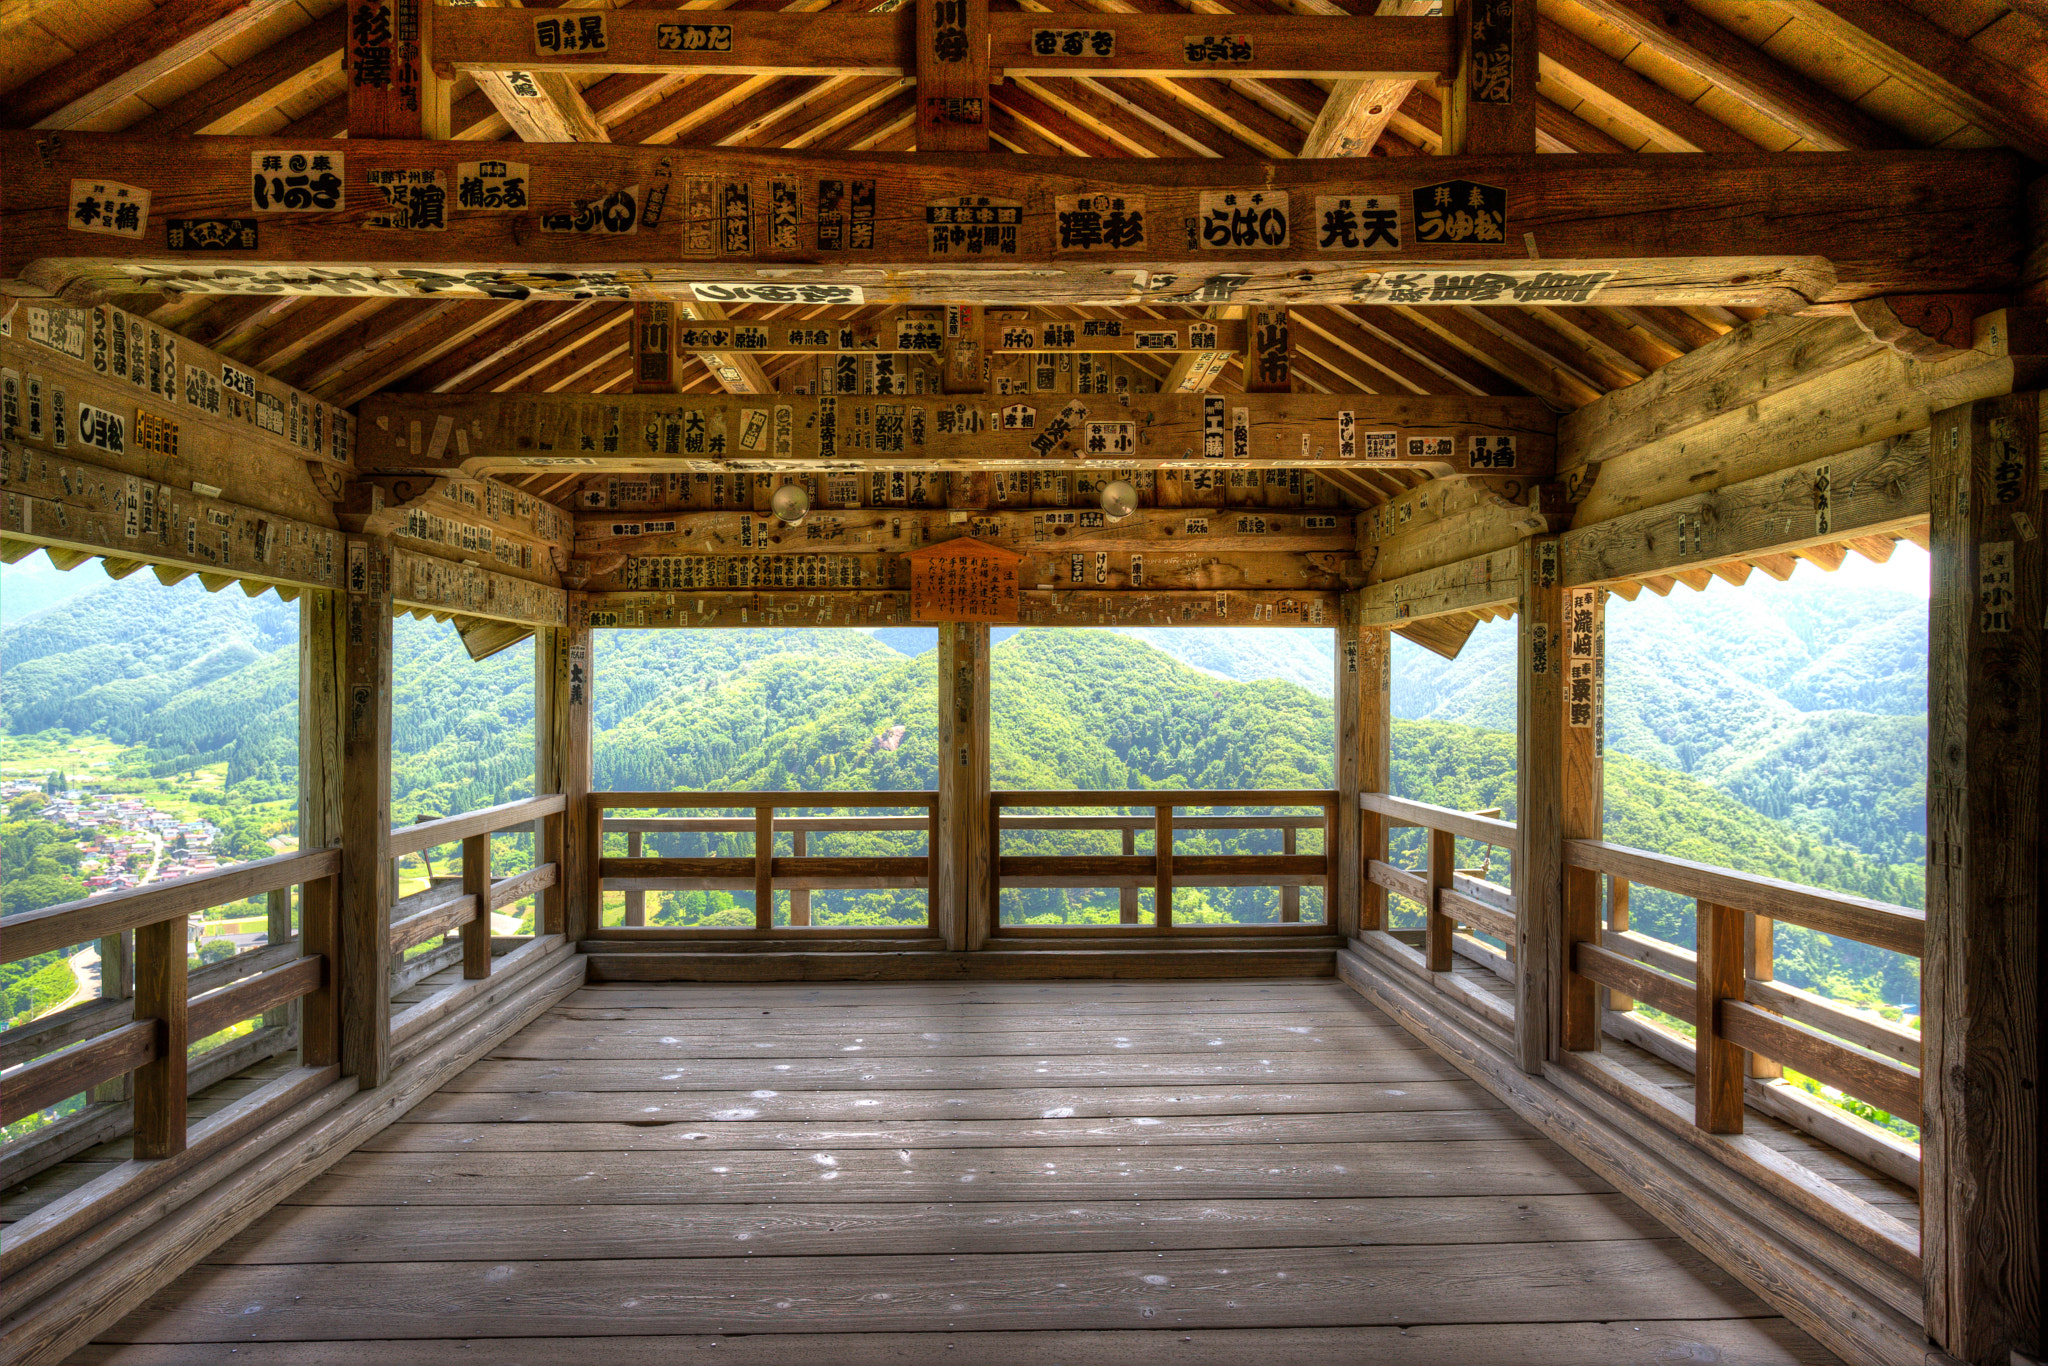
x=432, y=923
x=80, y=1067
x=1611, y=969
x=106, y=74
x=1491, y=580
x=394, y=90
x=633, y=432
x=74, y=922
x=1883, y=1083
x=1985, y=814
x=1486, y=829
x=1491, y=101
x=412, y=839
x=582, y=1040
x=363, y=959
x=1898, y=928
x=216, y=1010
x=1664, y=231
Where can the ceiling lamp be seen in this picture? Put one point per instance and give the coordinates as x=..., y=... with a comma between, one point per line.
x=1119, y=499
x=790, y=503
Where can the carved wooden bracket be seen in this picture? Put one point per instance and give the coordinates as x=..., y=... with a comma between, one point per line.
x=1925, y=326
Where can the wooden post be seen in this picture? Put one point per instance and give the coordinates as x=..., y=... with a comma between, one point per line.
x=160, y=996
x=636, y=902
x=277, y=929
x=1490, y=105
x=764, y=867
x=561, y=735
x=476, y=882
x=1363, y=754
x=117, y=983
x=365, y=930
x=1127, y=893
x=1162, y=867
x=1617, y=919
x=654, y=361
x=963, y=914
x=799, y=895
x=320, y=1012
x=1717, y=1064
x=323, y=655
x=393, y=90
x=952, y=75
x=1758, y=964
x=1268, y=352
x=1290, y=895
x=1443, y=856
x=1539, y=874
x=1980, y=974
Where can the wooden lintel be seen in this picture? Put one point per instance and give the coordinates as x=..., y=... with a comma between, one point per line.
x=1439, y=433
x=1770, y=230
x=1491, y=580
x=464, y=589
x=1018, y=44
x=1040, y=607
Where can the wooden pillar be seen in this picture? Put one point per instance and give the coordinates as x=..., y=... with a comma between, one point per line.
x=1759, y=952
x=952, y=75
x=364, y=931
x=1162, y=863
x=1363, y=756
x=1443, y=860
x=1980, y=974
x=323, y=656
x=963, y=914
x=561, y=735
x=393, y=90
x=1127, y=893
x=160, y=993
x=800, y=895
x=1490, y=105
x=1717, y=977
x=764, y=868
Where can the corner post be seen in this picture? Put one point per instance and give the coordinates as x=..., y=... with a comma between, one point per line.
x=1539, y=801
x=963, y=913
x=1980, y=971
x=1355, y=902
x=365, y=922
x=561, y=734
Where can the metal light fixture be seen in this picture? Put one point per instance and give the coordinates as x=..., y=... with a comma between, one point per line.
x=790, y=503
x=1119, y=499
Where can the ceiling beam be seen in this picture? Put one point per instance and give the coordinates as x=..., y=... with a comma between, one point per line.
x=134, y=56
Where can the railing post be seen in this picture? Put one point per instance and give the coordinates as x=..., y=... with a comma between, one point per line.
x=764, y=868
x=320, y=1012
x=1758, y=952
x=365, y=956
x=1443, y=853
x=160, y=986
x=1162, y=867
x=117, y=983
x=1717, y=1064
x=1290, y=893
x=1127, y=892
x=1617, y=920
x=476, y=882
x=800, y=895
x=561, y=739
x=277, y=929
x=636, y=902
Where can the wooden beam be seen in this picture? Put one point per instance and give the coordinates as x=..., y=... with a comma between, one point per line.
x=1491, y=104
x=394, y=90
x=1490, y=580
x=952, y=68
x=562, y=683
x=1980, y=1020
x=735, y=371
x=1506, y=438
x=113, y=70
x=1539, y=869
x=1154, y=45
x=1621, y=93
x=1609, y=229
x=693, y=609
x=272, y=78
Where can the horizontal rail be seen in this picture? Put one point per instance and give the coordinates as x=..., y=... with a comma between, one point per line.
x=109, y=913
x=1485, y=829
x=1249, y=821
x=734, y=825
x=433, y=922
x=1672, y=995
x=38, y=1085
x=413, y=839
x=909, y=870
x=1877, y=923
x=520, y=886
x=216, y=1010
x=1312, y=796
x=1398, y=880
x=1480, y=916
x=733, y=801
x=1879, y=1081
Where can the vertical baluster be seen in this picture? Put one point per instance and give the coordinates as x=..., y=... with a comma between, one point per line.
x=1579, y=1016
x=1717, y=1064
x=160, y=986
x=764, y=867
x=277, y=929
x=1127, y=893
x=1617, y=919
x=636, y=902
x=320, y=1012
x=117, y=983
x=932, y=919
x=1162, y=867
x=476, y=882
x=1290, y=894
x=548, y=914
x=1758, y=955
x=1443, y=857
x=799, y=896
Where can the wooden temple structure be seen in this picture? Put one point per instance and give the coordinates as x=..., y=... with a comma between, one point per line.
x=1392, y=318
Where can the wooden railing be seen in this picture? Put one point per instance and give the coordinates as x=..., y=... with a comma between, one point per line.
x=764, y=871
x=1457, y=904
x=1163, y=869
x=1748, y=1027
x=87, y=1048
x=463, y=903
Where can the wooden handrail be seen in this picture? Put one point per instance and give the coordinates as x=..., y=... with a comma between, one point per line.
x=109, y=913
x=1309, y=796
x=1485, y=829
x=735, y=801
x=413, y=839
x=1876, y=923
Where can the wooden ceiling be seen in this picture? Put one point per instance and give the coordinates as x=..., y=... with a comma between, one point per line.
x=1647, y=76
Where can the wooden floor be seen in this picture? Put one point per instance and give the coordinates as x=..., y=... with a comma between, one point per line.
x=1193, y=1172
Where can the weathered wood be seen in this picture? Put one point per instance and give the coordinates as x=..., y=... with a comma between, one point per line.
x=1491, y=581
x=1664, y=231
x=1668, y=994
x=1361, y=722
x=362, y=964
x=1718, y=1060
x=1986, y=799
x=38, y=1085
x=449, y=914
x=216, y=1010
x=160, y=1001
x=1579, y=660
x=74, y=922
x=424, y=835
x=1882, y=1083
x=394, y=90
x=1491, y=101
x=1443, y=862
x=1468, y=825
x=1440, y=433
x=562, y=767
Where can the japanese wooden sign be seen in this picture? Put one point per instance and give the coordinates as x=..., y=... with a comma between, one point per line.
x=963, y=580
